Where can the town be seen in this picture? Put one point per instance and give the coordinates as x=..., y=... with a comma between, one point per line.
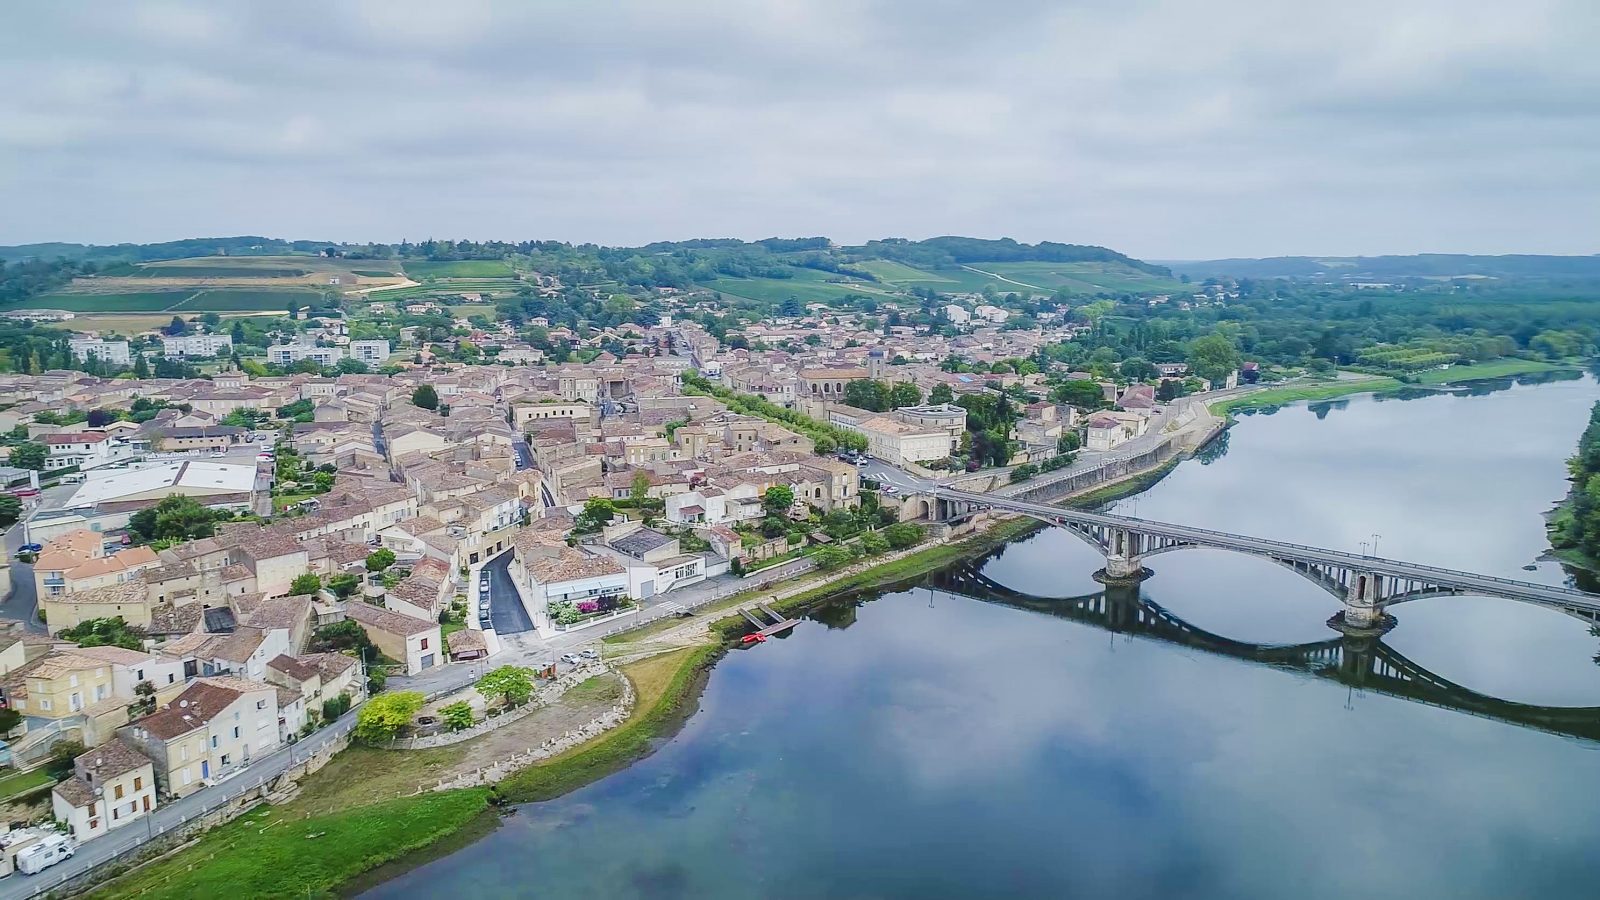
x=212, y=571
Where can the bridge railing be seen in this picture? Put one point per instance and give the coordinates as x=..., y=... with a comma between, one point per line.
x=1321, y=553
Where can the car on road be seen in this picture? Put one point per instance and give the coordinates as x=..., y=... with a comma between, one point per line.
x=890, y=489
x=590, y=653
x=570, y=659
x=862, y=463
x=483, y=587
x=483, y=620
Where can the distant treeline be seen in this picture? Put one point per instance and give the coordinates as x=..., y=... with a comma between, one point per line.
x=1378, y=268
x=1580, y=527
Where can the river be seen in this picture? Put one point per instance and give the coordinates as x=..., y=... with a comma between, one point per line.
x=928, y=743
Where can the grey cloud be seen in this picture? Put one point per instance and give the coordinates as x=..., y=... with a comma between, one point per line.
x=1166, y=130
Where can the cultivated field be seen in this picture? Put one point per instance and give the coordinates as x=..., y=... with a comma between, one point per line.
x=134, y=323
x=423, y=269
x=174, y=301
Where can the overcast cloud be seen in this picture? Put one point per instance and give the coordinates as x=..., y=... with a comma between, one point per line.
x=1166, y=130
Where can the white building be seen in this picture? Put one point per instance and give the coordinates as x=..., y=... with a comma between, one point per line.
x=289, y=354
x=370, y=352
x=114, y=352
x=111, y=786
x=957, y=315
x=992, y=314
x=198, y=345
x=1110, y=429
x=215, y=727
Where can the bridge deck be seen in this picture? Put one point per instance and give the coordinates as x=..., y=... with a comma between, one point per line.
x=1466, y=582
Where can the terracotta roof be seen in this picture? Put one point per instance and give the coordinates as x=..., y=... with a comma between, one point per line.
x=76, y=792
x=298, y=669
x=111, y=759
x=369, y=616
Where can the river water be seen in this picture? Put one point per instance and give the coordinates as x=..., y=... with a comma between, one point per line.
x=985, y=733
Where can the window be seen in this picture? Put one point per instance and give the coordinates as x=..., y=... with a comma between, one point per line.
x=138, y=782
x=236, y=732
x=72, y=681
x=213, y=742
x=261, y=704
x=138, y=674
x=183, y=753
x=116, y=792
x=424, y=643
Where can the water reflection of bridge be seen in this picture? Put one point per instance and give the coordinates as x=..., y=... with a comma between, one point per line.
x=1360, y=661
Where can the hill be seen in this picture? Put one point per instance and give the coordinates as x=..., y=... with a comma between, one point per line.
x=1439, y=266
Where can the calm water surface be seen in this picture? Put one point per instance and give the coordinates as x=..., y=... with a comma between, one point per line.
x=930, y=744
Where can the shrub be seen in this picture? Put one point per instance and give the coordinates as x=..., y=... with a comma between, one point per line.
x=383, y=716
x=457, y=716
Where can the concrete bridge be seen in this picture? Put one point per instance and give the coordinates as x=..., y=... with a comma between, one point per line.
x=1360, y=661
x=1366, y=585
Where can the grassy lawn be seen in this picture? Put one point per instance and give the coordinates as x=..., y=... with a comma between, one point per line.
x=147, y=301
x=362, y=776
x=1291, y=393
x=22, y=782
x=181, y=300
x=464, y=268
x=283, y=501
x=1494, y=368
x=266, y=854
x=229, y=299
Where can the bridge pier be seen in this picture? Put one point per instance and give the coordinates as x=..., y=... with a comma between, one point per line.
x=1363, y=607
x=1124, y=564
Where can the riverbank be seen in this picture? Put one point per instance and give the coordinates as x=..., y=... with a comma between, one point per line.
x=1331, y=389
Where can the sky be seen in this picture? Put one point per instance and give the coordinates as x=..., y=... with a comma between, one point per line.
x=1166, y=130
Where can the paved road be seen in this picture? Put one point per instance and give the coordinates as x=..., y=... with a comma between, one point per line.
x=506, y=613
x=22, y=603
x=111, y=846
x=524, y=453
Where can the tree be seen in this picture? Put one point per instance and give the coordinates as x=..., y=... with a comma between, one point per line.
x=344, y=584
x=141, y=366
x=1136, y=369
x=384, y=715
x=777, y=500
x=512, y=683
x=380, y=559
x=639, y=490
x=874, y=543
x=9, y=720
x=904, y=393
x=903, y=535
x=1068, y=442
x=30, y=455
x=174, y=519
x=176, y=327
x=457, y=716
x=10, y=509
x=425, y=397
x=1023, y=472
x=62, y=753
x=113, y=632
x=1213, y=357
x=334, y=707
x=597, y=511
x=1082, y=393
x=830, y=558
x=867, y=394
x=941, y=393
x=309, y=583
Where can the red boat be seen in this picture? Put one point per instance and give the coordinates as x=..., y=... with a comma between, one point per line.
x=754, y=639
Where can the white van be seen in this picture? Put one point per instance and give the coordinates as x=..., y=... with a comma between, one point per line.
x=49, y=851
x=72, y=478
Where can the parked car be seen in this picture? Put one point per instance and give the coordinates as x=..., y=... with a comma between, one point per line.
x=590, y=653
x=862, y=463
x=483, y=587
x=483, y=619
x=889, y=489
x=570, y=659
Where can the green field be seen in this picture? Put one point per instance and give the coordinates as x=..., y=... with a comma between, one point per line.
x=1083, y=277
x=23, y=782
x=1294, y=393
x=1046, y=277
x=809, y=285
x=462, y=268
x=887, y=270
x=1494, y=368
x=210, y=300
x=216, y=272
